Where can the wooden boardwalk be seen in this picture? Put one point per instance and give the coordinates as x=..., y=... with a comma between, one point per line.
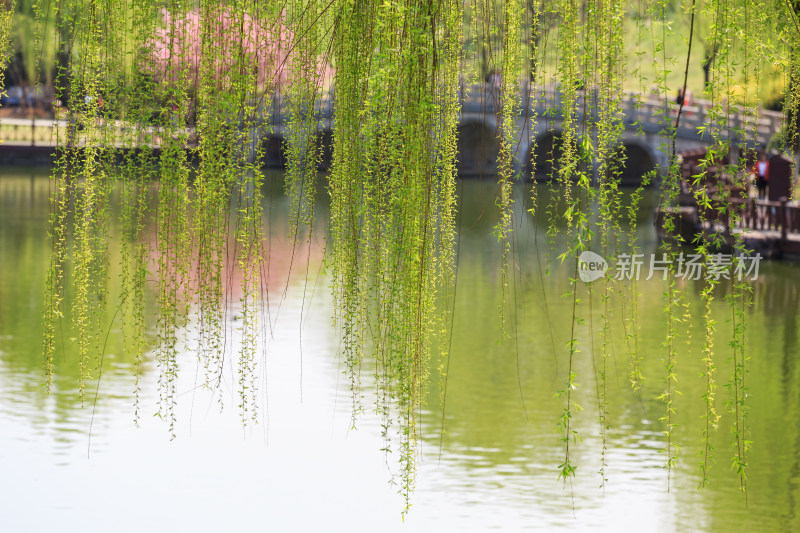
x=767, y=227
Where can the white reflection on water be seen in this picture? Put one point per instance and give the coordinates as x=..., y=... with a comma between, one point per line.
x=300, y=469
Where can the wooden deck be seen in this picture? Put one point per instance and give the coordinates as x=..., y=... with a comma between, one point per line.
x=766, y=227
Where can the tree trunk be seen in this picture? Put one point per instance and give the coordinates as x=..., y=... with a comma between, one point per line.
x=708, y=62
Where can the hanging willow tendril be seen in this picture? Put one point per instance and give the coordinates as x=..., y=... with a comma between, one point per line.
x=392, y=195
x=6, y=21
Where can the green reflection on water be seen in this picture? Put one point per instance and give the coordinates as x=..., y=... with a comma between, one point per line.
x=24, y=261
x=501, y=410
x=501, y=406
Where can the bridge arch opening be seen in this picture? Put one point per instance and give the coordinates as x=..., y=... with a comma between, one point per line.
x=274, y=151
x=638, y=161
x=547, y=156
x=635, y=160
x=478, y=149
x=325, y=144
x=544, y=164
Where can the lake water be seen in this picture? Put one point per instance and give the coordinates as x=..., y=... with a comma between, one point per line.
x=69, y=467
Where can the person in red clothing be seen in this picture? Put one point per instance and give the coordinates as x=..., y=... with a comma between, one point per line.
x=761, y=171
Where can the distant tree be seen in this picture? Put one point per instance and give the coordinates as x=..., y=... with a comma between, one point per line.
x=178, y=48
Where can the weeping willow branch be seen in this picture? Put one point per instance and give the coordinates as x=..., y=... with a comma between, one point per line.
x=174, y=106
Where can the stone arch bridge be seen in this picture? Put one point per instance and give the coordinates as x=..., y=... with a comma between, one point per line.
x=645, y=118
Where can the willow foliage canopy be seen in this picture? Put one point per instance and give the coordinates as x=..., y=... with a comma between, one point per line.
x=167, y=105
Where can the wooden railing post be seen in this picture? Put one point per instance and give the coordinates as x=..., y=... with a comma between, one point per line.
x=784, y=217
x=726, y=219
x=755, y=214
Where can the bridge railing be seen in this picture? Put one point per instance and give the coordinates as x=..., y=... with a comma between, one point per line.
x=782, y=216
x=651, y=112
x=27, y=132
